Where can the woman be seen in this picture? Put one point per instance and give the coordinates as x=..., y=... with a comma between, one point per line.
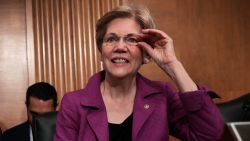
x=119, y=104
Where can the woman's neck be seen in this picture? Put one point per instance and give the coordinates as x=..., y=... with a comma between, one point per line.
x=119, y=88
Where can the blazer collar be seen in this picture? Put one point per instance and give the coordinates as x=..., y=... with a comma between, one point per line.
x=92, y=94
x=146, y=87
x=92, y=99
x=143, y=106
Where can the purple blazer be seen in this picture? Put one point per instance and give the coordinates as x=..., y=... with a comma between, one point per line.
x=158, y=111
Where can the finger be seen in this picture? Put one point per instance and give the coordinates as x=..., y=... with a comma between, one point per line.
x=147, y=38
x=161, y=43
x=147, y=47
x=150, y=39
x=155, y=33
x=154, y=36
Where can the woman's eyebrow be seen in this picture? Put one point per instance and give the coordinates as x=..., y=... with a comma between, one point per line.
x=111, y=34
x=127, y=35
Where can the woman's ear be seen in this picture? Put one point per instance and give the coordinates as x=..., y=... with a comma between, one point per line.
x=101, y=57
x=146, y=60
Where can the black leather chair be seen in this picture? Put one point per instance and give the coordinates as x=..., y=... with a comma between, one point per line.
x=0, y=134
x=43, y=126
x=237, y=109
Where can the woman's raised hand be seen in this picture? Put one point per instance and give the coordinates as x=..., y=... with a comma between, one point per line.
x=159, y=46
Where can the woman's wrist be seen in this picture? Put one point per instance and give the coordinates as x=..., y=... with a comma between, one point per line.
x=179, y=75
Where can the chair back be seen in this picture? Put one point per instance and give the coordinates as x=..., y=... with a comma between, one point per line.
x=43, y=126
x=0, y=134
x=236, y=110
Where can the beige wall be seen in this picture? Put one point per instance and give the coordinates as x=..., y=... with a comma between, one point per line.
x=13, y=62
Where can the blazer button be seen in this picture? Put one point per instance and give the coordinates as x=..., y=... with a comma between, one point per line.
x=146, y=106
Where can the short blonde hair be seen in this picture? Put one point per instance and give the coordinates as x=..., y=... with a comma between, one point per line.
x=137, y=12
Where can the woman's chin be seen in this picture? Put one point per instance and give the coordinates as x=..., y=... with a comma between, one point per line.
x=120, y=74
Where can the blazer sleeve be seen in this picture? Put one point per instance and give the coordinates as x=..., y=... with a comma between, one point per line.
x=67, y=122
x=194, y=116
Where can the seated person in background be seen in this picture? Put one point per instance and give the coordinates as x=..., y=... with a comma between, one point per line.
x=119, y=104
x=41, y=98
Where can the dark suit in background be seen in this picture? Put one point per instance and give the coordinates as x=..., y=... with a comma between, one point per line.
x=37, y=92
x=20, y=132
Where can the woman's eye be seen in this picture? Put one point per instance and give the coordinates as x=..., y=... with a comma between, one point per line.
x=132, y=40
x=110, y=39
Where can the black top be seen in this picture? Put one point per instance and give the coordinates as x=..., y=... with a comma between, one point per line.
x=121, y=132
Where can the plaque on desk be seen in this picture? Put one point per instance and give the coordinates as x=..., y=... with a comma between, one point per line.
x=240, y=130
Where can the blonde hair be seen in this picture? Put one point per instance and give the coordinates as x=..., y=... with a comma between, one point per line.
x=137, y=12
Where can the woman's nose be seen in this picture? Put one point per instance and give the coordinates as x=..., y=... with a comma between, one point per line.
x=121, y=45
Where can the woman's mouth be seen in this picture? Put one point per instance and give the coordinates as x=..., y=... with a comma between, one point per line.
x=119, y=60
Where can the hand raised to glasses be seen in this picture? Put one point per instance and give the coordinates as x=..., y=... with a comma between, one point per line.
x=159, y=46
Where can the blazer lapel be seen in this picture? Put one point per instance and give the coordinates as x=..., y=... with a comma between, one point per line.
x=142, y=111
x=98, y=122
x=91, y=99
x=144, y=105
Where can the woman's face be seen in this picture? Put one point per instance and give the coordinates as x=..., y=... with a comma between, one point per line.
x=120, y=55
